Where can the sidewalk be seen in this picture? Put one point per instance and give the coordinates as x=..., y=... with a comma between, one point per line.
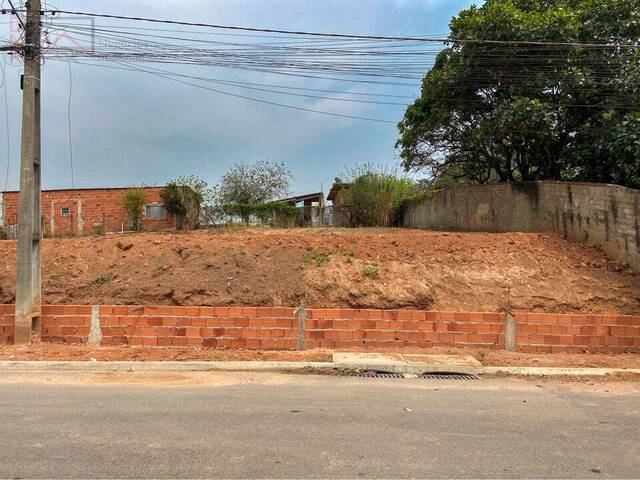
x=408, y=364
x=501, y=358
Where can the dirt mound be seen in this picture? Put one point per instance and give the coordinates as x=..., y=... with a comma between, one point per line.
x=390, y=268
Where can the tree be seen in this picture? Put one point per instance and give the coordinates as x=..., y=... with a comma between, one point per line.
x=247, y=184
x=184, y=199
x=506, y=112
x=376, y=198
x=133, y=202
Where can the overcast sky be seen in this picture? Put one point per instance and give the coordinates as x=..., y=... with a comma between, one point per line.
x=133, y=128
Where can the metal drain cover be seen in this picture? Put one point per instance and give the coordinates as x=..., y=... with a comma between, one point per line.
x=376, y=374
x=448, y=376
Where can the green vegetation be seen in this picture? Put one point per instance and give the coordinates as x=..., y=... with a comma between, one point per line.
x=317, y=260
x=3, y=234
x=505, y=112
x=349, y=255
x=98, y=230
x=254, y=184
x=376, y=198
x=183, y=198
x=133, y=202
x=370, y=271
x=275, y=214
x=102, y=279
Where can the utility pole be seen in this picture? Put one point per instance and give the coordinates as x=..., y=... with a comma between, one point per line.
x=28, y=293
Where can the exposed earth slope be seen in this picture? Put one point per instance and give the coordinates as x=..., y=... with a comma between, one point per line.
x=368, y=268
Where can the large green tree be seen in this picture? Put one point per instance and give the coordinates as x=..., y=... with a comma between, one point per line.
x=565, y=106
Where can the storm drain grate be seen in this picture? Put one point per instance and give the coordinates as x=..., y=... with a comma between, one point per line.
x=375, y=374
x=449, y=376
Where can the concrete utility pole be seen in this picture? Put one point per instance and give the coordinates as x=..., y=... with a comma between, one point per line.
x=28, y=294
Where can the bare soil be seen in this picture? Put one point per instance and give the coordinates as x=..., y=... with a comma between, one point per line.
x=326, y=268
x=55, y=352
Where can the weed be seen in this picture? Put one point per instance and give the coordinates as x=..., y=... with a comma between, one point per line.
x=370, y=271
x=481, y=356
x=159, y=270
x=315, y=260
x=102, y=279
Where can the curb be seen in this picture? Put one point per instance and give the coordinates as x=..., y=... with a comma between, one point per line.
x=239, y=366
x=557, y=371
x=46, y=366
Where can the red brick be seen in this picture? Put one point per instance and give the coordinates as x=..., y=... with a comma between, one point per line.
x=179, y=341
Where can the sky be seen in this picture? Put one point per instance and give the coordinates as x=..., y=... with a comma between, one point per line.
x=131, y=128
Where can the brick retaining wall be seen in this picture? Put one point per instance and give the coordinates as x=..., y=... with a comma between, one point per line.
x=276, y=328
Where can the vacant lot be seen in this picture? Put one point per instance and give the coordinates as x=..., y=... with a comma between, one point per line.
x=352, y=268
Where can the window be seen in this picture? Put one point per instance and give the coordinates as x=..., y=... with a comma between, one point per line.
x=154, y=212
x=65, y=212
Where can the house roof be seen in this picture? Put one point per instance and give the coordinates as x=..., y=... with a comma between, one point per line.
x=301, y=198
x=83, y=189
x=335, y=188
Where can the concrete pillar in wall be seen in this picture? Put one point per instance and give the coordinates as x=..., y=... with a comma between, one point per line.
x=52, y=219
x=80, y=221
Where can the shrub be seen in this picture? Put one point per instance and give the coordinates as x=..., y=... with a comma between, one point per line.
x=133, y=202
x=370, y=271
x=276, y=214
x=3, y=234
x=183, y=202
x=377, y=199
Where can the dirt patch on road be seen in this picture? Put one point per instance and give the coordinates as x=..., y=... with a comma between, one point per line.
x=357, y=268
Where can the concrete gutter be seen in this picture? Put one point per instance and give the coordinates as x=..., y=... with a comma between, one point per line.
x=57, y=366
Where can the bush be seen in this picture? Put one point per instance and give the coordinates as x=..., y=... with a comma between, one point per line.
x=275, y=214
x=377, y=199
x=3, y=234
x=183, y=198
x=133, y=202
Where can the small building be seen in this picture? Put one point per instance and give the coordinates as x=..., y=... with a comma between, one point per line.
x=308, y=200
x=336, y=194
x=85, y=210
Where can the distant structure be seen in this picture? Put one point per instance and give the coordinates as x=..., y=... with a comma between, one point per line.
x=336, y=194
x=308, y=200
x=88, y=210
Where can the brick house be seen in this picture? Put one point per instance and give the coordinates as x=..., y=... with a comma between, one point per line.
x=85, y=210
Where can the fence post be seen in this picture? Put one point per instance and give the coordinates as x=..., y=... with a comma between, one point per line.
x=509, y=332
x=302, y=317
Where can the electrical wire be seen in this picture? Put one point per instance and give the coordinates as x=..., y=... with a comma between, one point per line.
x=18, y=15
x=244, y=97
x=343, y=35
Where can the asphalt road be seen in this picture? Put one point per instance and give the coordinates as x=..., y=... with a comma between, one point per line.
x=271, y=425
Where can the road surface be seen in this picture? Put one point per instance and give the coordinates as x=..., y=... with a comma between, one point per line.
x=276, y=425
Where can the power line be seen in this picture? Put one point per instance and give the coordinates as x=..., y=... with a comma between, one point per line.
x=345, y=35
x=17, y=15
x=222, y=92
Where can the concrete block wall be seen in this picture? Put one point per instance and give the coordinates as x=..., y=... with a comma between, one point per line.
x=276, y=328
x=605, y=216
